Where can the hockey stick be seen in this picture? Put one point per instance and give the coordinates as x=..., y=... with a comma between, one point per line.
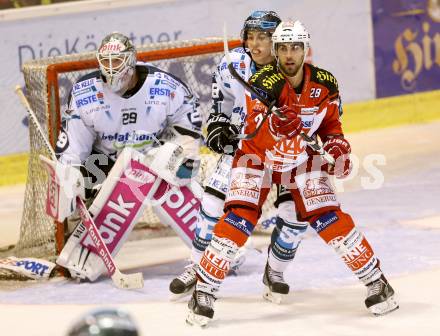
x=312, y=143
x=34, y=120
x=120, y=280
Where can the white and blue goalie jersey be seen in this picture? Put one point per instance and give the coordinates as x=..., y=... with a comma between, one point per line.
x=101, y=121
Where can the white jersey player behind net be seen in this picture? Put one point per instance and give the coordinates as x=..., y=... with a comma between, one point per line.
x=123, y=108
x=226, y=120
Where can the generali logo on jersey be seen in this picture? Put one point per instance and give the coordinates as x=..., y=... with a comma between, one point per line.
x=245, y=186
x=317, y=192
x=317, y=187
x=245, y=181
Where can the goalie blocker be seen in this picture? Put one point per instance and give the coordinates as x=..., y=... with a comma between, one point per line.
x=128, y=189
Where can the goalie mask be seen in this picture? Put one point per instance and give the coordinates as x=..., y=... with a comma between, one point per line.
x=291, y=32
x=117, y=61
x=107, y=322
x=264, y=21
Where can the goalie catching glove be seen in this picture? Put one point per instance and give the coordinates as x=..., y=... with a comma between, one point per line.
x=177, y=161
x=340, y=149
x=221, y=134
x=289, y=127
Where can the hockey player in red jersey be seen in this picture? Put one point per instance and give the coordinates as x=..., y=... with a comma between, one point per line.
x=309, y=103
x=225, y=121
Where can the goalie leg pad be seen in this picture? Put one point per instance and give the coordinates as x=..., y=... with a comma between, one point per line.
x=74, y=256
x=118, y=205
x=65, y=182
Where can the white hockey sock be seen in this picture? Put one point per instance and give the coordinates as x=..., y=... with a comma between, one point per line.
x=196, y=255
x=286, y=239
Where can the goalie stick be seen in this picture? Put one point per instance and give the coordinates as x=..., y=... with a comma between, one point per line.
x=120, y=280
x=311, y=142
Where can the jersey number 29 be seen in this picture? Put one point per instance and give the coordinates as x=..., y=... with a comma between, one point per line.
x=129, y=118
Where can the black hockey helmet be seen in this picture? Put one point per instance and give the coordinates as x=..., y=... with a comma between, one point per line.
x=265, y=21
x=104, y=322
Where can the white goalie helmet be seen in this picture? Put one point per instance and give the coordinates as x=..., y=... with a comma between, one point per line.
x=117, y=61
x=290, y=32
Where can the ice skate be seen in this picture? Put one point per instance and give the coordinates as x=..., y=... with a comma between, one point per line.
x=380, y=297
x=184, y=284
x=201, y=306
x=275, y=289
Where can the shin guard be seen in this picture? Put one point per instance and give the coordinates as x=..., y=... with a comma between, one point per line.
x=237, y=225
x=216, y=262
x=338, y=230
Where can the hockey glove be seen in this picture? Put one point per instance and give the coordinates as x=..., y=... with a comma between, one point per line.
x=221, y=134
x=340, y=149
x=290, y=127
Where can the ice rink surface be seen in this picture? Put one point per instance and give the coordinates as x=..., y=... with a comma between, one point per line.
x=401, y=219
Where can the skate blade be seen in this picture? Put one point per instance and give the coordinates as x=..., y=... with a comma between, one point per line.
x=197, y=320
x=270, y=296
x=385, y=307
x=176, y=297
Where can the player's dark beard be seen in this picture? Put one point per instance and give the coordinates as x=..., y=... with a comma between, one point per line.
x=290, y=73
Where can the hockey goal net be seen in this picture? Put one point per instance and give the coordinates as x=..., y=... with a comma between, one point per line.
x=48, y=84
